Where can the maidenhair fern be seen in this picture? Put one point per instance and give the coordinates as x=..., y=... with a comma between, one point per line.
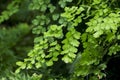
x=80, y=36
x=12, y=8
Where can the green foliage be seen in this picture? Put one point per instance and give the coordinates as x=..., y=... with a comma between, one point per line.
x=11, y=9
x=9, y=38
x=74, y=39
x=13, y=76
x=59, y=37
x=14, y=40
x=69, y=45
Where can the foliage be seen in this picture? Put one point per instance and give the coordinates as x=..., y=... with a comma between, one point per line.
x=61, y=41
x=13, y=76
x=11, y=9
x=9, y=39
x=74, y=39
x=14, y=45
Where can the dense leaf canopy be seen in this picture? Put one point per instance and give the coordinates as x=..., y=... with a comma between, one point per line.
x=73, y=39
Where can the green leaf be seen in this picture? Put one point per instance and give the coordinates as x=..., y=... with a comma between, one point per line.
x=96, y=1
x=73, y=49
x=43, y=7
x=72, y=55
x=55, y=16
x=98, y=34
x=69, y=0
x=114, y=49
x=74, y=43
x=29, y=66
x=52, y=8
x=118, y=37
x=55, y=59
x=19, y=63
x=62, y=3
x=49, y=55
x=110, y=37
x=53, y=43
x=38, y=65
x=23, y=66
x=57, y=47
x=55, y=54
x=65, y=51
x=89, y=29
x=66, y=59
x=49, y=63
x=18, y=70
x=53, y=27
x=35, y=22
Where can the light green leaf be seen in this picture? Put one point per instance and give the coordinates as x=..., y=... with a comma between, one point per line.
x=89, y=29
x=49, y=63
x=19, y=63
x=38, y=65
x=74, y=43
x=73, y=49
x=71, y=55
x=53, y=43
x=98, y=34
x=53, y=27
x=57, y=47
x=55, y=54
x=76, y=35
x=66, y=59
x=18, y=70
x=118, y=37
x=29, y=66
